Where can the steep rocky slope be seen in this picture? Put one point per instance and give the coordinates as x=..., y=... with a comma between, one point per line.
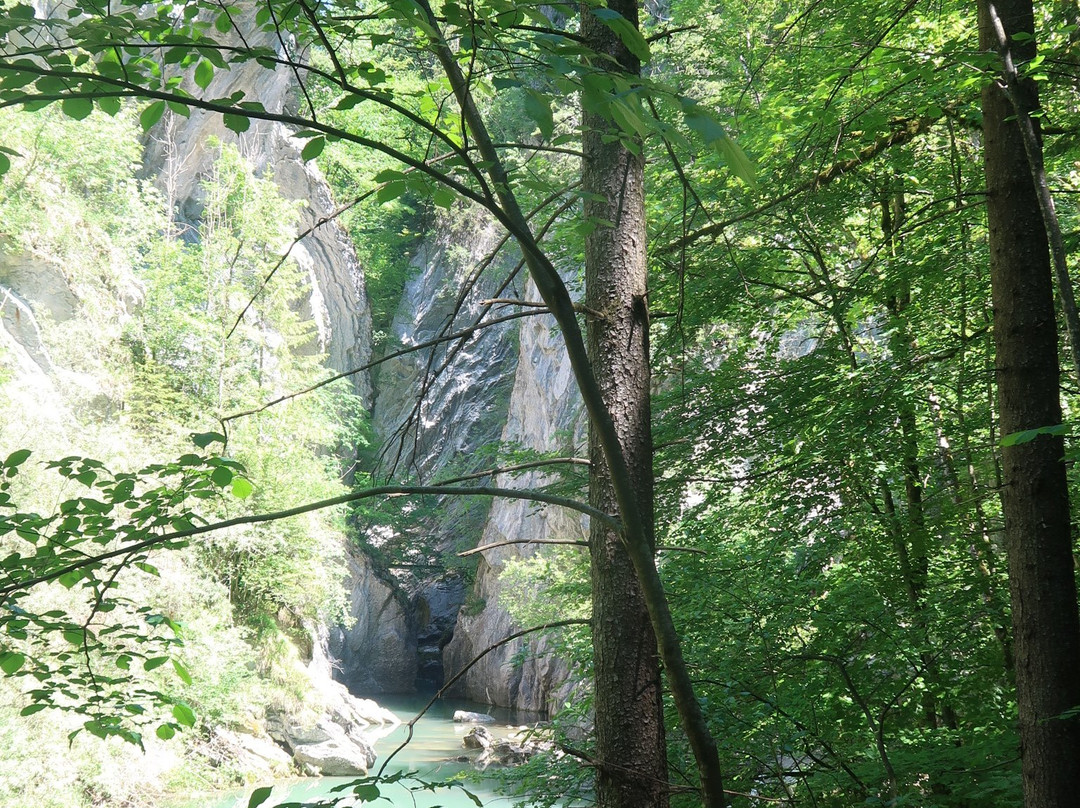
x=544, y=414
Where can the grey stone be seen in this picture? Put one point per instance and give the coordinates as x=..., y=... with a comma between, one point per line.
x=466, y=717
x=478, y=738
x=377, y=652
x=335, y=758
x=543, y=404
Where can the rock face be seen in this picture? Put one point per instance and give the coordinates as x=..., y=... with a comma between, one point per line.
x=454, y=396
x=457, y=391
x=180, y=154
x=435, y=606
x=31, y=287
x=378, y=651
x=543, y=402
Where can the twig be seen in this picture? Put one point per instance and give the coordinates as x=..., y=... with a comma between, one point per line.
x=508, y=542
x=356, y=496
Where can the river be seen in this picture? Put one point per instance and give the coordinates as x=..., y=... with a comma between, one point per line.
x=436, y=738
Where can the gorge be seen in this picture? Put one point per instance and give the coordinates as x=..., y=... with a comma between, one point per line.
x=506, y=385
x=278, y=278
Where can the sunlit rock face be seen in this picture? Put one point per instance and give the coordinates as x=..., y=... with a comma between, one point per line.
x=28, y=285
x=35, y=294
x=509, y=384
x=440, y=410
x=451, y=397
x=180, y=153
x=543, y=414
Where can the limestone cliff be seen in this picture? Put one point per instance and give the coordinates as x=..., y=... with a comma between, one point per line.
x=180, y=152
x=544, y=407
x=376, y=651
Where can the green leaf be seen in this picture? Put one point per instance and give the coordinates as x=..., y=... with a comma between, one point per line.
x=348, y=101
x=1028, y=435
x=313, y=148
x=712, y=132
x=184, y=714
x=223, y=22
x=74, y=635
x=77, y=108
x=204, y=73
x=237, y=123
x=165, y=732
x=241, y=488
x=259, y=796
x=390, y=191
x=626, y=31
x=538, y=107
x=221, y=476
x=369, y=792
x=204, y=439
x=69, y=579
x=17, y=458
x=11, y=662
x=149, y=569
x=30, y=709
x=5, y=164
x=182, y=672
x=443, y=198
x=151, y=115
x=155, y=662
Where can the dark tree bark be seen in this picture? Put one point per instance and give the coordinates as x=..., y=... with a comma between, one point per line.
x=1034, y=497
x=629, y=702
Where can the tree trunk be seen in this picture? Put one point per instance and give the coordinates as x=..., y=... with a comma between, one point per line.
x=1034, y=496
x=630, y=741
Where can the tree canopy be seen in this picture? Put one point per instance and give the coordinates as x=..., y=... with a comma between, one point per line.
x=772, y=235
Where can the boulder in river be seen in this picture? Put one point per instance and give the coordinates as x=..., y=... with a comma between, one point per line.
x=504, y=753
x=323, y=747
x=478, y=738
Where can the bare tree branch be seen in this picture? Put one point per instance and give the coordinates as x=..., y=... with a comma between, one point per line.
x=356, y=496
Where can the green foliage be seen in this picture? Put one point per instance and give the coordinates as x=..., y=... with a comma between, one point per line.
x=82, y=656
x=144, y=644
x=824, y=416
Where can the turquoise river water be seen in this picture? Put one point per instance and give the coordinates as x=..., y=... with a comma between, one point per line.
x=435, y=739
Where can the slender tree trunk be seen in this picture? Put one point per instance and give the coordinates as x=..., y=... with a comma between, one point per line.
x=629, y=702
x=1034, y=496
